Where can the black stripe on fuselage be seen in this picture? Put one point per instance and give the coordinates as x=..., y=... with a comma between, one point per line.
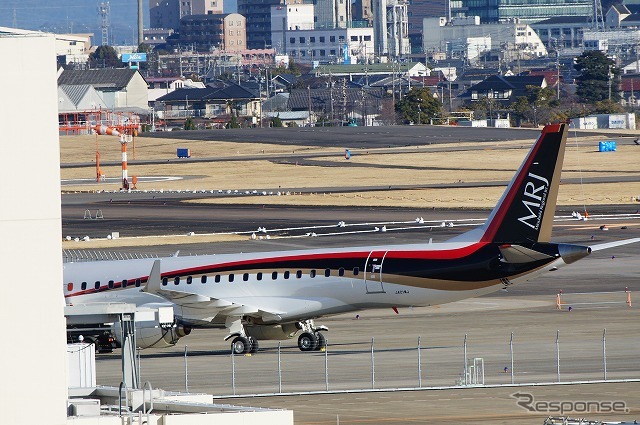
x=480, y=265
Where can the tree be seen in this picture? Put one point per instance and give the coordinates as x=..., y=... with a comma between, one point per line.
x=189, y=124
x=419, y=106
x=599, y=77
x=276, y=121
x=104, y=57
x=536, y=105
x=234, y=122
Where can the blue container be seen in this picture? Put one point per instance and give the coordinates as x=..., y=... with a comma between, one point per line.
x=183, y=153
x=607, y=146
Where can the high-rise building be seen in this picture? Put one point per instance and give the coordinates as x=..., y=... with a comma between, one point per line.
x=258, y=14
x=361, y=11
x=167, y=13
x=526, y=11
x=331, y=14
x=213, y=31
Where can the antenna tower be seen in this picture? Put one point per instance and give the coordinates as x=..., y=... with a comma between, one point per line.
x=103, y=13
x=598, y=18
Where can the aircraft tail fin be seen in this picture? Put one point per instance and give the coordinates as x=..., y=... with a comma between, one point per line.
x=525, y=211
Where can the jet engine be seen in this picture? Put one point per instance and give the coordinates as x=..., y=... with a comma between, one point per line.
x=159, y=336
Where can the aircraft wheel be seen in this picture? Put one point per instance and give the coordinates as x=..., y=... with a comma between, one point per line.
x=307, y=342
x=254, y=345
x=322, y=341
x=240, y=345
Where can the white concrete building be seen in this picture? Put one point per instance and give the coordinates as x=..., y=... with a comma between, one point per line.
x=512, y=37
x=75, y=47
x=340, y=45
x=293, y=34
x=34, y=366
x=289, y=17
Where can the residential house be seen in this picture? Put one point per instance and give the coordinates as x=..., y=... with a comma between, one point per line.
x=338, y=103
x=209, y=102
x=504, y=89
x=121, y=89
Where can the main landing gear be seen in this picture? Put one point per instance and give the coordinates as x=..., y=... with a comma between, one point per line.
x=311, y=339
x=244, y=345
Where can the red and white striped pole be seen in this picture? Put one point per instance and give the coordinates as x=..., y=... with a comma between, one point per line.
x=125, y=177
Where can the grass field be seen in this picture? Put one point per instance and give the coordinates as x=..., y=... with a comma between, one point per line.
x=494, y=162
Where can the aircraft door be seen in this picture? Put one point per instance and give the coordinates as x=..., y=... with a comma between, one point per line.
x=373, y=272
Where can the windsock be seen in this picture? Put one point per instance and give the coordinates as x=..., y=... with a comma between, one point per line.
x=103, y=129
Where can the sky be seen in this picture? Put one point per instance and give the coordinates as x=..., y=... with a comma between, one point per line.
x=78, y=16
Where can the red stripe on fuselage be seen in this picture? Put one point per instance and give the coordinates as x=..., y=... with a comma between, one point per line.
x=394, y=252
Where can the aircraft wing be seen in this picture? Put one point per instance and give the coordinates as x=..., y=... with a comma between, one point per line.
x=202, y=307
x=607, y=245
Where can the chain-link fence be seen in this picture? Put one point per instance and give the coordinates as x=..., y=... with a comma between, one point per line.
x=366, y=365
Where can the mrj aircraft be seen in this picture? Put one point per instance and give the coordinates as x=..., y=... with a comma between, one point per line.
x=259, y=296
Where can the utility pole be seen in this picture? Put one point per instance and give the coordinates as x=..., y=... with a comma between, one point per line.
x=309, y=92
x=610, y=81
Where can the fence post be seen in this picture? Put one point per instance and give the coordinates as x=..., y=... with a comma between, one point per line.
x=373, y=366
x=511, y=350
x=419, y=365
x=558, y=354
x=326, y=365
x=279, y=369
x=464, y=346
x=139, y=351
x=186, y=371
x=604, y=352
x=233, y=371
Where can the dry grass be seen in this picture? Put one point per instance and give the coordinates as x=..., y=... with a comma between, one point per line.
x=151, y=241
x=366, y=168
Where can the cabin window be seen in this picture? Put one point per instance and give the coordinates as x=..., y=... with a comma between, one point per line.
x=189, y=280
x=245, y=277
x=312, y=273
x=97, y=285
x=217, y=278
x=125, y=282
x=231, y=277
x=259, y=276
x=356, y=270
x=176, y=280
x=286, y=274
x=111, y=284
x=203, y=279
x=83, y=286
x=274, y=275
x=138, y=282
x=165, y=280
x=327, y=272
x=341, y=271
x=70, y=286
x=299, y=274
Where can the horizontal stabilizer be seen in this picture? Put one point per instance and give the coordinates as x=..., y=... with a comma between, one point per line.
x=613, y=244
x=517, y=254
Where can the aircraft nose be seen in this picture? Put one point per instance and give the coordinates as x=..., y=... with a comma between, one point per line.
x=572, y=253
